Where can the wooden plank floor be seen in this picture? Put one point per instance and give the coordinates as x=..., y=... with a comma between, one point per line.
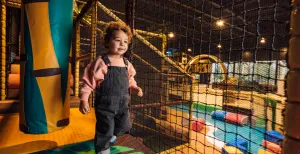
x=137, y=145
x=81, y=128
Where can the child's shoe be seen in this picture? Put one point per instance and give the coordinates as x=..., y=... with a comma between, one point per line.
x=113, y=140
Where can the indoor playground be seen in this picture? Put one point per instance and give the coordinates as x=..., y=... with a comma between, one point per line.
x=219, y=76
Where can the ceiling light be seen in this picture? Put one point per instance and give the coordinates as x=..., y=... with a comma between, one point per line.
x=171, y=35
x=220, y=23
x=263, y=40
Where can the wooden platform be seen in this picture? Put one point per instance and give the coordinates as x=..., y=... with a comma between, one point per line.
x=81, y=128
x=9, y=106
x=12, y=106
x=133, y=142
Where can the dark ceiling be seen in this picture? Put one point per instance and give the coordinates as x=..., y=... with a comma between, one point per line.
x=194, y=24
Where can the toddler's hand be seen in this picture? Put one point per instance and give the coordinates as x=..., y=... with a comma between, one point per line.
x=84, y=107
x=140, y=92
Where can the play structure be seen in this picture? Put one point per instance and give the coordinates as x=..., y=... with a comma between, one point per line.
x=214, y=73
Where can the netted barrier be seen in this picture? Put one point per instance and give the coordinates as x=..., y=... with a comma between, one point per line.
x=213, y=72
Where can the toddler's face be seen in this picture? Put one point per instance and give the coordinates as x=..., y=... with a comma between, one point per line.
x=118, y=43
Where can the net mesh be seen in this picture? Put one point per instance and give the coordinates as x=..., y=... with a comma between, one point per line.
x=212, y=72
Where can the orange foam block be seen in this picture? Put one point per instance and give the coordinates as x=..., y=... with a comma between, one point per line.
x=14, y=81
x=13, y=93
x=271, y=147
x=231, y=150
x=15, y=68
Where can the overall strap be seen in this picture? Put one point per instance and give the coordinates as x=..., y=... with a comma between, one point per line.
x=125, y=62
x=105, y=59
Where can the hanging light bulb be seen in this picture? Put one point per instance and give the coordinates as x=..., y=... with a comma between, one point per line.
x=219, y=46
x=262, y=40
x=284, y=49
x=171, y=34
x=220, y=23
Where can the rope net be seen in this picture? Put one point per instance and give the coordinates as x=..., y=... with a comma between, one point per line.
x=213, y=73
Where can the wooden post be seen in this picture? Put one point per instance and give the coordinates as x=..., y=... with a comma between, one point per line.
x=3, y=49
x=130, y=13
x=93, y=41
x=291, y=143
x=164, y=69
x=77, y=52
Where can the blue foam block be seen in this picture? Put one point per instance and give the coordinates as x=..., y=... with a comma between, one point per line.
x=231, y=151
x=274, y=137
x=241, y=148
x=219, y=115
x=240, y=143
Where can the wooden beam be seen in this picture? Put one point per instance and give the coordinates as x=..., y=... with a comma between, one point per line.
x=139, y=106
x=86, y=8
x=84, y=57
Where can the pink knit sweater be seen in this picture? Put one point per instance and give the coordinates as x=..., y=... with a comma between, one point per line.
x=94, y=74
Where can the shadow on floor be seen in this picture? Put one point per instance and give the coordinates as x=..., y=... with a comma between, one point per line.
x=86, y=147
x=29, y=147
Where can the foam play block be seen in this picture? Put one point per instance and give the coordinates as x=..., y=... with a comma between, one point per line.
x=185, y=122
x=197, y=124
x=271, y=147
x=231, y=150
x=15, y=69
x=237, y=119
x=13, y=93
x=14, y=81
x=219, y=115
x=262, y=151
x=274, y=136
x=240, y=143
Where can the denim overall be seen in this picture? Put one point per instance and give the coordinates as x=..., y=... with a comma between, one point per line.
x=111, y=106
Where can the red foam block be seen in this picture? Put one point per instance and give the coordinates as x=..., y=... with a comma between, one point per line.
x=197, y=124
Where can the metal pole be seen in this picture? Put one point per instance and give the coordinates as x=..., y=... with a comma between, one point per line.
x=137, y=30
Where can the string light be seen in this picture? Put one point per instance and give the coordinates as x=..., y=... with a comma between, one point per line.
x=263, y=40
x=171, y=35
x=284, y=49
x=220, y=23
